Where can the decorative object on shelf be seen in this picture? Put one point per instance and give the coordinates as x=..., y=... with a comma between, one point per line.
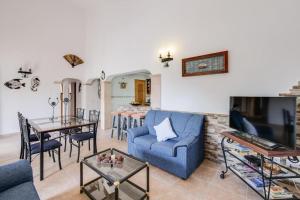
x=35, y=82
x=215, y=63
x=14, y=84
x=123, y=83
x=166, y=59
x=53, y=104
x=24, y=73
x=73, y=60
x=66, y=101
x=148, y=82
x=102, y=75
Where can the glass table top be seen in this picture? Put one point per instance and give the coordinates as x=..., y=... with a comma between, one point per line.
x=120, y=171
x=58, y=123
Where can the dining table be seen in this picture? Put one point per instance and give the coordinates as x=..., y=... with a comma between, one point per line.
x=41, y=126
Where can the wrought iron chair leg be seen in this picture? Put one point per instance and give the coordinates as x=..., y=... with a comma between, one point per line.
x=65, y=148
x=22, y=149
x=89, y=144
x=113, y=127
x=71, y=145
x=59, y=162
x=30, y=157
x=53, y=156
x=49, y=154
x=78, y=152
x=222, y=175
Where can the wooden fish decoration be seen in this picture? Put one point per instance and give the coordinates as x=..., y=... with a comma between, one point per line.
x=14, y=84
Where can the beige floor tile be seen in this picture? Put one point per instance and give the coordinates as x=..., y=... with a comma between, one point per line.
x=204, y=183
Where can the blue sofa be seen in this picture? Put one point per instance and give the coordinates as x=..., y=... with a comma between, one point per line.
x=179, y=156
x=16, y=182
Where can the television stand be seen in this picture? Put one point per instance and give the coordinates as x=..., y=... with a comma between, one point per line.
x=265, y=171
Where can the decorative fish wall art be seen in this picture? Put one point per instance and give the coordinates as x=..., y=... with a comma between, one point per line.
x=14, y=84
x=35, y=82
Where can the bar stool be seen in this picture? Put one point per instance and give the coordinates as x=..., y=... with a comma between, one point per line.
x=116, y=116
x=138, y=118
x=126, y=118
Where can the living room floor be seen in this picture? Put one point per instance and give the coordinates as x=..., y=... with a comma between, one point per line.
x=203, y=184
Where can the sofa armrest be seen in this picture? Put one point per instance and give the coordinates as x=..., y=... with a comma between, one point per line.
x=186, y=142
x=15, y=174
x=136, y=132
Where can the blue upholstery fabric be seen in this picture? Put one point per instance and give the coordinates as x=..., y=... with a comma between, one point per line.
x=16, y=181
x=181, y=155
x=82, y=136
x=20, y=192
x=165, y=148
x=185, y=142
x=34, y=138
x=145, y=141
x=139, y=131
x=48, y=145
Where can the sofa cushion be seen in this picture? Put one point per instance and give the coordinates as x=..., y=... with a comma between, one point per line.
x=164, y=131
x=20, y=192
x=145, y=141
x=183, y=123
x=164, y=148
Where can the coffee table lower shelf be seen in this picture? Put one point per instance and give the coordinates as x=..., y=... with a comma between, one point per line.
x=127, y=190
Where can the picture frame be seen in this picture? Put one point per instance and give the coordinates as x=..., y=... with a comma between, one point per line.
x=214, y=63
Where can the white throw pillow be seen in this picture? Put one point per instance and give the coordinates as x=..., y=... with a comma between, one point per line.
x=164, y=131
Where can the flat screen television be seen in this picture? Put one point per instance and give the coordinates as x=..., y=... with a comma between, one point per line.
x=271, y=119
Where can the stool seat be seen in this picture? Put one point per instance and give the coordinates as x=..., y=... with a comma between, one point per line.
x=116, y=113
x=127, y=114
x=139, y=115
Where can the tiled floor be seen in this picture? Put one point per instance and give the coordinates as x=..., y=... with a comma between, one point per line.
x=204, y=184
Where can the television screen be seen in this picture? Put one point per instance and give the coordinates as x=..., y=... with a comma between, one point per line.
x=270, y=118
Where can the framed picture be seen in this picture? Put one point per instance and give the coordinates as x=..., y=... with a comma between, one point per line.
x=214, y=63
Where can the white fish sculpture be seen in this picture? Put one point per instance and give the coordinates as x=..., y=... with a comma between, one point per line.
x=14, y=84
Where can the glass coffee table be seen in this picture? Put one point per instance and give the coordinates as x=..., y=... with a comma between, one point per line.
x=114, y=168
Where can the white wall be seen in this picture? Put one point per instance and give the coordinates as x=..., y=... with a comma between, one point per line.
x=92, y=98
x=262, y=37
x=37, y=33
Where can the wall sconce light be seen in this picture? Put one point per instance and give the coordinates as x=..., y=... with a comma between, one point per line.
x=166, y=59
x=24, y=72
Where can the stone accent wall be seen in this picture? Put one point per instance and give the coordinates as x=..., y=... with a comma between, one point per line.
x=214, y=125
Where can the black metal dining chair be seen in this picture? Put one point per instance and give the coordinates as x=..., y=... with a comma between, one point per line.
x=32, y=137
x=79, y=115
x=79, y=137
x=34, y=148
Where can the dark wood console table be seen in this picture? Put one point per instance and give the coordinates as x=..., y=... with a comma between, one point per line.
x=264, y=155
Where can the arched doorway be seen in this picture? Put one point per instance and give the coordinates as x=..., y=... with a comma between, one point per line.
x=122, y=90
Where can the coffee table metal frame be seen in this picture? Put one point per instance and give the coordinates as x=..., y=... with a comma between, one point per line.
x=115, y=183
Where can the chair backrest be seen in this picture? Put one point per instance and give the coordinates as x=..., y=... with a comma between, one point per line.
x=94, y=117
x=26, y=132
x=80, y=113
x=20, y=123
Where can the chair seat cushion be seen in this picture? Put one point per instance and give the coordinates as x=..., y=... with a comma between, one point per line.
x=34, y=138
x=145, y=141
x=48, y=145
x=82, y=136
x=20, y=192
x=164, y=148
